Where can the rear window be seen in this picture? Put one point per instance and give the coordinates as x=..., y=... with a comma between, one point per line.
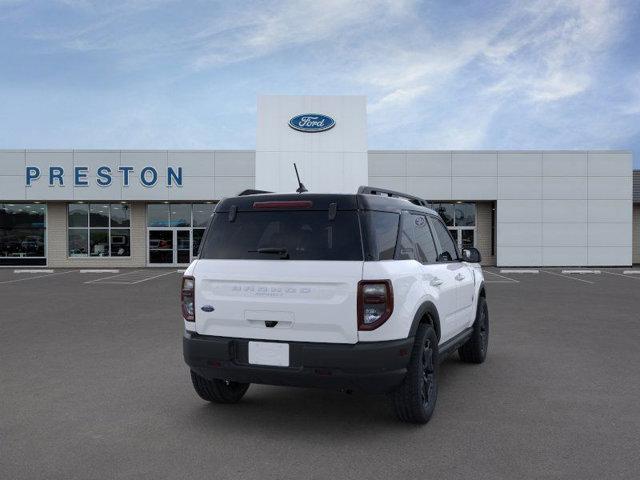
x=274, y=235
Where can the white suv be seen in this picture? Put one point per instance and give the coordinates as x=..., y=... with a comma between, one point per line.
x=356, y=292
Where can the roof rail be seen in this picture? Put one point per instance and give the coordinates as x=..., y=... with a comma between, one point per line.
x=251, y=191
x=392, y=193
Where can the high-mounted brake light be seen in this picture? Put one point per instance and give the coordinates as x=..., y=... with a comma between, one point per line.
x=187, y=298
x=284, y=204
x=375, y=303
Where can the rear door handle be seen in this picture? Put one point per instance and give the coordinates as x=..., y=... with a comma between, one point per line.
x=436, y=282
x=459, y=277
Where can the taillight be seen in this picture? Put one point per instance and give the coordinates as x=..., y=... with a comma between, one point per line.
x=187, y=298
x=375, y=303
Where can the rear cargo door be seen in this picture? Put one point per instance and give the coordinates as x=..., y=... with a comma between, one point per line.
x=281, y=270
x=305, y=301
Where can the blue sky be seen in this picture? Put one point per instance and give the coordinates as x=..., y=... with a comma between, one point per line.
x=458, y=75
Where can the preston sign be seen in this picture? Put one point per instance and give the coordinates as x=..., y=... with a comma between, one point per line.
x=56, y=176
x=312, y=122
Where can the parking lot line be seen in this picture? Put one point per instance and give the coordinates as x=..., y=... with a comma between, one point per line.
x=39, y=276
x=501, y=276
x=567, y=276
x=151, y=278
x=621, y=275
x=102, y=270
x=518, y=270
x=33, y=271
x=112, y=276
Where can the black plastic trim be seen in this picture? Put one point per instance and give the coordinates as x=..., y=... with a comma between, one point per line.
x=454, y=343
x=430, y=308
x=373, y=367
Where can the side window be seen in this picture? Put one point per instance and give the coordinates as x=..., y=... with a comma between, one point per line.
x=405, y=240
x=425, y=248
x=447, y=251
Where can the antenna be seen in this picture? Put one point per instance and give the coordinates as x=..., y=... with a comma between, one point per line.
x=301, y=188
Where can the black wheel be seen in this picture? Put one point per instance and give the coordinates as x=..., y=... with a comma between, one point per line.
x=475, y=349
x=415, y=399
x=218, y=391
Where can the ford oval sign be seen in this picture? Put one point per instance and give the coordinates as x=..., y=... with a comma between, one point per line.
x=311, y=122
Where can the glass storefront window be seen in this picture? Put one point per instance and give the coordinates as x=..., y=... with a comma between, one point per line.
x=180, y=215
x=120, y=242
x=460, y=219
x=78, y=242
x=99, y=242
x=158, y=215
x=78, y=215
x=175, y=230
x=90, y=233
x=465, y=214
x=445, y=210
x=98, y=215
x=120, y=216
x=22, y=231
x=202, y=214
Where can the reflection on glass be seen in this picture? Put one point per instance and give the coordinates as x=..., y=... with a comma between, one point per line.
x=120, y=215
x=99, y=215
x=467, y=238
x=180, y=215
x=158, y=215
x=78, y=215
x=202, y=213
x=197, y=238
x=445, y=210
x=22, y=230
x=160, y=239
x=99, y=242
x=120, y=242
x=465, y=214
x=78, y=242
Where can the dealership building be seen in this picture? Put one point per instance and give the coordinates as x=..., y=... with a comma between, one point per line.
x=136, y=208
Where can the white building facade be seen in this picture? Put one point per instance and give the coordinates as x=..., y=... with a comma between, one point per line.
x=120, y=208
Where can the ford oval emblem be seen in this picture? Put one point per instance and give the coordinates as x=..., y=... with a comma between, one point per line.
x=312, y=122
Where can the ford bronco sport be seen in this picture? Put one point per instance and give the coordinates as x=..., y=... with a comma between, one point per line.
x=361, y=291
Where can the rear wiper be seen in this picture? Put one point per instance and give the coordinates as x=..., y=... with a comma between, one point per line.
x=284, y=254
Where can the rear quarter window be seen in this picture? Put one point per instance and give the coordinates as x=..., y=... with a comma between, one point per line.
x=381, y=234
x=304, y=235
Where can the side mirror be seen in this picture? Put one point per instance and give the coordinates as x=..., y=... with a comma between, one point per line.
x=471, y=255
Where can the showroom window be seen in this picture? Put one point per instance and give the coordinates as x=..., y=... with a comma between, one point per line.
x=99, y=230
x=460, y=219
x=23, y=233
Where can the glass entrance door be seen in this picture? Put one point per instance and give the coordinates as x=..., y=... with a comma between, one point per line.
x=183, y=246
x=161, y=247
x=171, y=246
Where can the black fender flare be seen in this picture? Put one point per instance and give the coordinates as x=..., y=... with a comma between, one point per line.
x=481, y=290
x=427, y=308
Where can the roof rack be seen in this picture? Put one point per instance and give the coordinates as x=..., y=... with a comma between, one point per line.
x=251, y=191
x=392, y=193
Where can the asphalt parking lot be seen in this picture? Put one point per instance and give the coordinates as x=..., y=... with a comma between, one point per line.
x=92, y=385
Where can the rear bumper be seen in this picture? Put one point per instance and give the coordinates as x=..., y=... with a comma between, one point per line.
x=373, y=367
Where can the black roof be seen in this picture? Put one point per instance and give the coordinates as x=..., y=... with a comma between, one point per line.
x=636, y=186
x=321, y=201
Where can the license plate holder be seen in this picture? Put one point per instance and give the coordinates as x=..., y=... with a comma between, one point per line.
x=274, y=354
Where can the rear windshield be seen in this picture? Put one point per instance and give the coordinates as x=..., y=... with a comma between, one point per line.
x=275, y=235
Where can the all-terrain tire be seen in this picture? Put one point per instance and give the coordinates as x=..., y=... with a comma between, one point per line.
x=475, y=349
x=218, y=391
x=415, y=399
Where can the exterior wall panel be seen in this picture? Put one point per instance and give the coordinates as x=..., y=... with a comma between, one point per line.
x=636, y=233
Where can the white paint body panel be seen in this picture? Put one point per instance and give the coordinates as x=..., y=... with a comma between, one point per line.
x=316, y=301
